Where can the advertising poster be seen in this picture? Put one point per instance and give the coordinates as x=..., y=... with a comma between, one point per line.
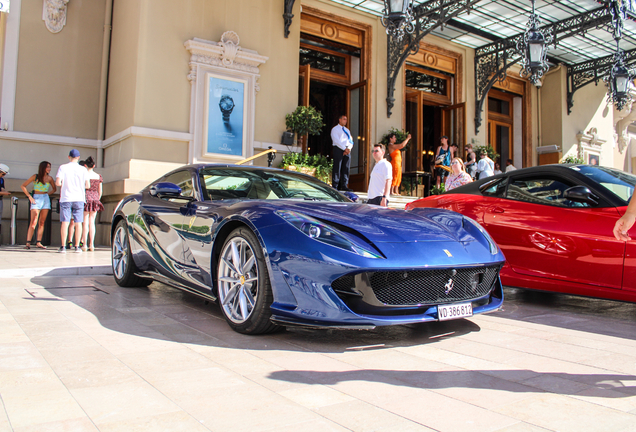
x=225, y=116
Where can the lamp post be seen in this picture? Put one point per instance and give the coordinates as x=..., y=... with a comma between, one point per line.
x=619, y=81
x=397, y=17
x=533, y=47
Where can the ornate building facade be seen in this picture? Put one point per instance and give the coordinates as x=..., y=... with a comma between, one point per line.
x=145, y=86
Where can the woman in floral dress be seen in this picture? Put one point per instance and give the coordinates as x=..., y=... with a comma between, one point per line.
x=458, y=176
x=92, y=206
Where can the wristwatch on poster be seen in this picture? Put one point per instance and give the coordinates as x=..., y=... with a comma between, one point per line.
x=227, y=105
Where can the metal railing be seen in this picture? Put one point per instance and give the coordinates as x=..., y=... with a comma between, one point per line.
x=14, y=212
x=271, y=155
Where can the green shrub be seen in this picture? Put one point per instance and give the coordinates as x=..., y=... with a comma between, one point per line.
x=489, y=150
x=438, y=190
x=573, y=160
x=323, y=165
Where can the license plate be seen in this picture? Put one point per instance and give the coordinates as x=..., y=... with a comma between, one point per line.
x=454, y=311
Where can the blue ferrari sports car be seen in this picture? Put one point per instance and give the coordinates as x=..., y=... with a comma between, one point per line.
x=278, y=248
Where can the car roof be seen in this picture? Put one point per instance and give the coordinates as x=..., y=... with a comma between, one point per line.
x=563, y=170
x=199, y=166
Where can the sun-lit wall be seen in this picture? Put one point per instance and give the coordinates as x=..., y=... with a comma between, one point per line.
x=58, y=78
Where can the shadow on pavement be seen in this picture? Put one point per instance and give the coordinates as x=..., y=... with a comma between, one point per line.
x=606, y=317
x=165, y=313
x=505, y=380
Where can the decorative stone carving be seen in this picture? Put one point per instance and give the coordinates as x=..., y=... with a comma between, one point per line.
x=589, y=143
x=622, y=120
x=54, y=14
x=226, y=54
x=230, y=43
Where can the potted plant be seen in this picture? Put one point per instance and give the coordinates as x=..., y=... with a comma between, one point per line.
x=489, y=151
x=438, y=190
x=303, y=121
x=573, y=160
x=317, y=166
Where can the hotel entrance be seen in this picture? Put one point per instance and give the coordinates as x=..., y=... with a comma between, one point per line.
x=333, y=78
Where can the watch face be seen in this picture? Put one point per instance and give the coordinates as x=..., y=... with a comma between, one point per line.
x=226, y=103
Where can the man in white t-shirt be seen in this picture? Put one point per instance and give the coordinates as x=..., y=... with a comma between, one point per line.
x=510, y=166
x=72, y=179
x=381, y=176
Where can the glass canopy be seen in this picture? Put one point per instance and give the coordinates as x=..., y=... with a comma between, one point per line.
x=490, y=20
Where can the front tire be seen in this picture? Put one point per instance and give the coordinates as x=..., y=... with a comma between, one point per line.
x=244, y=290
x=124, y=267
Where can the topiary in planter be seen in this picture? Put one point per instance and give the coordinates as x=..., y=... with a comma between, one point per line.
x=305, y=120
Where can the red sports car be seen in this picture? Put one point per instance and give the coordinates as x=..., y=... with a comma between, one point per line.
x=554, y=224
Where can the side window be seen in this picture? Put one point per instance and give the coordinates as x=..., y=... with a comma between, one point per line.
x=183, y=179
x=495, y=188
x=541, y=190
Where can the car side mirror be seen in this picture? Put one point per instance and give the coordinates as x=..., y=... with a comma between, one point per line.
x=167, y=190
x=581, y=194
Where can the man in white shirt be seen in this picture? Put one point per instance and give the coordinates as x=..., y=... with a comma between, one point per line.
x=342, y=145
x=509, y=166
x=381, y=176
x=72, y=179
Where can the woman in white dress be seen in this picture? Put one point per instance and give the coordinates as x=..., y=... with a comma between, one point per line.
x=485, y=167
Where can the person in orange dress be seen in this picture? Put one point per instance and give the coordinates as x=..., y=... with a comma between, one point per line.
x=395, y=150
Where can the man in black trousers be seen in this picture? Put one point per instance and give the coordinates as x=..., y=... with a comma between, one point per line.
x=342, y=145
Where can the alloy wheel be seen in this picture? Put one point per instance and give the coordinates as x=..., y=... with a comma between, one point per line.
x=120, y=252
x=238, y=280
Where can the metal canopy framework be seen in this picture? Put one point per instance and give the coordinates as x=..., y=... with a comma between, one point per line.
x=427, y=16
x=493, y=60
x=582, y=74
x=581, y=29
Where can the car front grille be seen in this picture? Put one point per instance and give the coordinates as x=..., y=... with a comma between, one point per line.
x=418, y=287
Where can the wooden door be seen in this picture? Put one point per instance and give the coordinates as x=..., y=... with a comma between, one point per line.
x=304, y=80
x=357, y=107
x=500, y=138
x=454, y=125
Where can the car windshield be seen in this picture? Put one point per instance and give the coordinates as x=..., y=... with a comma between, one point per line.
x=615, y=181
x=263, y=184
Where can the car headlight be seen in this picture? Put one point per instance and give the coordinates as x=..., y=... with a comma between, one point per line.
x=317, y=230
x=491, y=243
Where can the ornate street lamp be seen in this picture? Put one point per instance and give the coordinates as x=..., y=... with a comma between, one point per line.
x=534, y=47
x=619, y=81
x=397, y=17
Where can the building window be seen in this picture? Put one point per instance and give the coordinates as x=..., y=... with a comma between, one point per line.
x=427, y=83
x=324, y=61
x=498, y=106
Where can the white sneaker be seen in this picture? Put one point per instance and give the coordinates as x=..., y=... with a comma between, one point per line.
x=78, y=249
x=62, y=249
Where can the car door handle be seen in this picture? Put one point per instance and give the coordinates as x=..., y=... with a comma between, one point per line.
x=496, y=210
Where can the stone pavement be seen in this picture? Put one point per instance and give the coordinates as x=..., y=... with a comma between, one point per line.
x=15, y=261
x=79, y=353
